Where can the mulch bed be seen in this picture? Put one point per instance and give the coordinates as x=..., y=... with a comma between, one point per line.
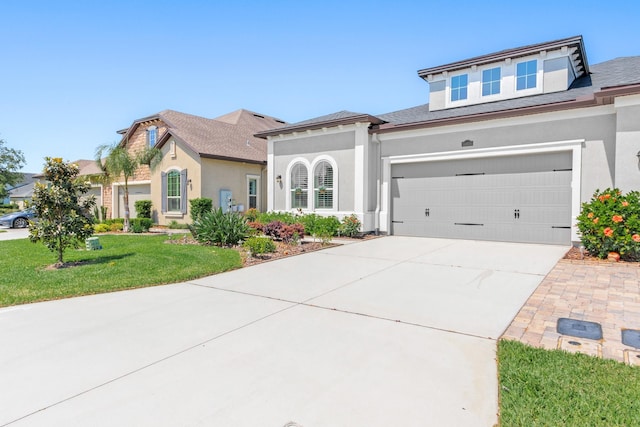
x=574, y=254
x=283, y=250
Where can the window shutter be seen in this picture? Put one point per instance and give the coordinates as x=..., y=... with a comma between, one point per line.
x=183, y=191
x=163, y=203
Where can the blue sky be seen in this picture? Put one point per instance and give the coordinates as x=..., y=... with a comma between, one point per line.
x=72, y=73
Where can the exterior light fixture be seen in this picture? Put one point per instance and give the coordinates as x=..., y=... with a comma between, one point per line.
x=279, y=177
x=638, y=155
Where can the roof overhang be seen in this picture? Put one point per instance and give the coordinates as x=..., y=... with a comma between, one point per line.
x=579, y=57
x=362, y=118
x=603, y=97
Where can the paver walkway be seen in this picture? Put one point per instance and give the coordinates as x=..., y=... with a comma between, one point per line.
x=595, y=291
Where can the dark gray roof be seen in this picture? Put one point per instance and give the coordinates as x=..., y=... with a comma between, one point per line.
x=333, y=119
x=616, y=72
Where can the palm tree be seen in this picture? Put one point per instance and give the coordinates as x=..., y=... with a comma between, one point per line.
x=119, y=162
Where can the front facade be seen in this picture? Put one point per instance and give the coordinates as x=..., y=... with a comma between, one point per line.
x=509, y=147
x=217, y=158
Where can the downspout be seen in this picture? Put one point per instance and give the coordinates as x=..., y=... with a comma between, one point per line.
x=376, y=216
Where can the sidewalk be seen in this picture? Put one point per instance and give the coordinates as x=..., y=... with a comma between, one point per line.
x=595, y=291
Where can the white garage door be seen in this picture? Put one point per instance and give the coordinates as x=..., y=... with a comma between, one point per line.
x=136, y=192
x=513, y=199
x=97, y=193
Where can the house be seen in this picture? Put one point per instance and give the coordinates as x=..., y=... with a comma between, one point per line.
x=508, y=148
x=216, y=158
x=21, y=193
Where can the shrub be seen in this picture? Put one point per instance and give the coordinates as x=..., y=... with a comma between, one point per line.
x=101, y=228
x=220, y=228
x=257, y=226
x=143, y=208
x=141, y=225
x=259, y=245
x=109, y=222
x=175, y=225
x=350, y=226
x=252, y=214
x=199, y=207
x=610, y=222
x=116, y=226
x=285, y=217
x=285, y=232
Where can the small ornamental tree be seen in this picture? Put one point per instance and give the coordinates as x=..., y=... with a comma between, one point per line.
x=610, y=222
x=64, y=214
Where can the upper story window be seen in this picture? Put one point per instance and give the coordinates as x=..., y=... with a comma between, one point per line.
x=491, y=81
x=299, y=185
x=526, y=73
x=152, y=136
x=459, y=87
x=323, y=186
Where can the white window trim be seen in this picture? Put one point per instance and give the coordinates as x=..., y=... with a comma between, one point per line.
x=532, y=90
x=287, y=183
x=149, y=129
x=257, y=178
x=169, y=213
x=334, y=165
x=485, y=98
x=450, y=89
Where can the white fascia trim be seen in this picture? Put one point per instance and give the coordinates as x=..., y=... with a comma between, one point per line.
x=574, y=145
x=271, y=183
x=626, y=101
x=507, y=121
x=318, y=132
x=489, y=152
x=146, y=181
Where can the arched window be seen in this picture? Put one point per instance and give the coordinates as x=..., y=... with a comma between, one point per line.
x=173, y=191
x=323, y=185
x=299, y=186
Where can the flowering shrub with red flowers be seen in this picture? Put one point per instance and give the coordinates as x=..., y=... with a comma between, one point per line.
x=610, y=222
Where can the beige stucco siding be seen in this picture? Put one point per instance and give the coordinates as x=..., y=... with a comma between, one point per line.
x=226, y=175
x=205, y=177
x=184, y=158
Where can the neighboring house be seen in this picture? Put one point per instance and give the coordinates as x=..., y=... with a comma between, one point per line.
x=508, y=148
x=214, y=158
x=21, y=193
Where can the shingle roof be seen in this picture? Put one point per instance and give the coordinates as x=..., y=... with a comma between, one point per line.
x=616, y=72
x=229, y=136
x=333, y=119
x=24, y=188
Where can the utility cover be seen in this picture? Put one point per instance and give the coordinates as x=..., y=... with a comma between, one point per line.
x=631, y=337
x=579, y=328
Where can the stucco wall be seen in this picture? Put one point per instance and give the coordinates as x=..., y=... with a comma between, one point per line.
x=627, y=173
x=598, y=155
x=184, y=158
x=339, y=146
x=225, y=175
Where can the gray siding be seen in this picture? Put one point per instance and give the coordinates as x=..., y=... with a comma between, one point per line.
x=339, y=146
x=598, y=156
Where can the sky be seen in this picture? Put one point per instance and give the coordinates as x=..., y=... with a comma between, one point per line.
x=73, y=73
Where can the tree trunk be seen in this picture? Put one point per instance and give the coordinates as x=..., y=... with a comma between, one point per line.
x=125, y=226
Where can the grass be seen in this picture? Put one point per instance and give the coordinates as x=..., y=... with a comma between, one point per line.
x=554, y=388
x=126, y=262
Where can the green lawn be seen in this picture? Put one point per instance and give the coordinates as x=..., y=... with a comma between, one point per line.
x=127, y=261
x=555, y=388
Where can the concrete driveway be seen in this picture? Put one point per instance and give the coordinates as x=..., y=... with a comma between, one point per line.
x=13, y=233
x=391, y=331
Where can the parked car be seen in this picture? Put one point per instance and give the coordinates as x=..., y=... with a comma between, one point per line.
x=18, y=219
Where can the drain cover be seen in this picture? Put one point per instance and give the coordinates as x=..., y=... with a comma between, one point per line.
x=575, y=346
x=579, y=328
x=631, y=337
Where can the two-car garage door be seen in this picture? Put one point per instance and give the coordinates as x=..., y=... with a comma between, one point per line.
x=524, y=198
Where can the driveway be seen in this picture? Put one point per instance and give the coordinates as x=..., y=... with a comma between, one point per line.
x=13, y=233
x=391, y=331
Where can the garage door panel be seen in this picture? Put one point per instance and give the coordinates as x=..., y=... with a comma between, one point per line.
x=521, y=207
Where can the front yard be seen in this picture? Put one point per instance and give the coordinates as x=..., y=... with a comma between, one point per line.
x=126, y=262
